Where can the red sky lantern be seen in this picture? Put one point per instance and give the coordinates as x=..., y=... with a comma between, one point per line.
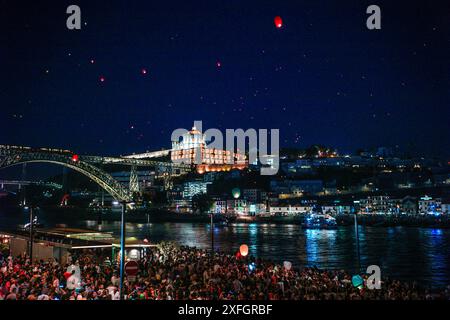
x=278, y=22
x=75, y=158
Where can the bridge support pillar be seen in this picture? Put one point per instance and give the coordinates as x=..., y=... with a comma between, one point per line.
x=122, y=249
x=134, y=180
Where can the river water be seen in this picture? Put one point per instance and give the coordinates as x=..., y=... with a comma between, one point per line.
x=403, y=253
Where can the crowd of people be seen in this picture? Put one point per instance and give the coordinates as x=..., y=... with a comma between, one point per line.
x=171, y=272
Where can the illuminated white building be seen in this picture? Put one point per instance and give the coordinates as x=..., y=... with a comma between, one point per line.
x=193, y=146
x=191, y=188
x=428, y=205
x=289, y=210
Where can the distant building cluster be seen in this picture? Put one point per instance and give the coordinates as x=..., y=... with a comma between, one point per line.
x=317, y=178
x=310, y=165
x=380, y=205
x=180, y=197
x=299, y=188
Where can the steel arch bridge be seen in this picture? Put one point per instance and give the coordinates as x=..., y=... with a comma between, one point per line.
x=87, y=165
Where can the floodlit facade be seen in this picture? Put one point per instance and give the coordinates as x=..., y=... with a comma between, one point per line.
x=193, y=146
x=289, y=210
x=429, y=205
x=191, y=188
x=231, y=207
x=375, y=204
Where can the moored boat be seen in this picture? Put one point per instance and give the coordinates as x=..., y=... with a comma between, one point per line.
x=319, y=221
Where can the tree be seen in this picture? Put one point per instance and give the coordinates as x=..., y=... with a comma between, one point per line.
x=201, y=202
x=157, y=199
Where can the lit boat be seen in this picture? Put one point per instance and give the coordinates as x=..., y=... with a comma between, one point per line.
x=223, y=219
x=319, y=221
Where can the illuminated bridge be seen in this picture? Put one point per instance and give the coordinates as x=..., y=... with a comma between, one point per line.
x=90, y=166
x=20, y=183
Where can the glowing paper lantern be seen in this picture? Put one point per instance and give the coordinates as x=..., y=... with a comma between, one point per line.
x=236, y=193
x=243, y=249
x=75, y=158
x=278, y=22
x=287, y=265
x=75, y=270
x=357, y=281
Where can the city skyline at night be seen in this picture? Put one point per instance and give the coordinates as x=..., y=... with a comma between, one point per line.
x=232, y=157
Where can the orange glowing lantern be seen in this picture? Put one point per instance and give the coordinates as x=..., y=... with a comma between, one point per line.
x=243, y=250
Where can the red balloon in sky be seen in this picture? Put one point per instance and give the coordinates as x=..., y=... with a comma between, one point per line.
x=278, y=22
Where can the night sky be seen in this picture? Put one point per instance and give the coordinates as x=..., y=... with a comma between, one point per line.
x=323, y=78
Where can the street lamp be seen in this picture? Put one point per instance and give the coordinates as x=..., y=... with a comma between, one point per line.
x=122, y=248
x=31, y=234
x=357, y=242
x=212, y=232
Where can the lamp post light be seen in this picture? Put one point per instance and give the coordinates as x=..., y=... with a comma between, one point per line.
x=31, y=234
x=357, y=242
x=212, y=232
x=122, y=248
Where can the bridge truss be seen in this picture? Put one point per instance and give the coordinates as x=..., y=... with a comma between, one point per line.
x=87, y=165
